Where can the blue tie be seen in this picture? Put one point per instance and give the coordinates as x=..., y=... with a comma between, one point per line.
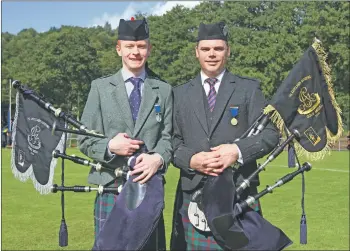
x=212, y=93
x=135, y=97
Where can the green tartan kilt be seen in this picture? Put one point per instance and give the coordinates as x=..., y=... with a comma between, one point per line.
x=103, y=206
x=199, y=240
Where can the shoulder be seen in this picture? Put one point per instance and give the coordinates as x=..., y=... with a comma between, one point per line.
x=154, y=76
x=158, y=81
x=245, y=79
x=248, y=79
x=163, y=85
x=245, y=82
x=182, y=88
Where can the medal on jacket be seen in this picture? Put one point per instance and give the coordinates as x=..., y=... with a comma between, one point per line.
x=234, y=113
x=158, y=112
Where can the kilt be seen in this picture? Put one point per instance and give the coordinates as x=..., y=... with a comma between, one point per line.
x=196, y=239
x=103, y=206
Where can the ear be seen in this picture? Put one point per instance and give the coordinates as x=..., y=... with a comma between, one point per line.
x=149, y=49
x=197, y=52
x=228, y=51
x=118, y=49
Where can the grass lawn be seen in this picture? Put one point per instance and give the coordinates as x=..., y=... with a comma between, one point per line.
x=31, y=221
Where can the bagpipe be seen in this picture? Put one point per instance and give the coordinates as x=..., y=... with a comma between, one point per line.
x=305, y=112
x=303, y=109
x=39, y=139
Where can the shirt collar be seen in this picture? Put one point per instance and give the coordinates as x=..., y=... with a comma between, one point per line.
x=219, y=77
x=127, y=74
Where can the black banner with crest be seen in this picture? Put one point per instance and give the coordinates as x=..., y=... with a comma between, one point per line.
x=33, y=144
x=305, y=101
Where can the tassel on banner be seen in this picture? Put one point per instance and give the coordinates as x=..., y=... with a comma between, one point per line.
x=63, y=234
x=303, y=230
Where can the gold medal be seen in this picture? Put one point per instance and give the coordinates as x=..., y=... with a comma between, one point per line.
x=234, y=121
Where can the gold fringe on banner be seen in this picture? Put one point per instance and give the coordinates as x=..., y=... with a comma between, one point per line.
x=322, y=56
x=278, y=121
x=275, y=118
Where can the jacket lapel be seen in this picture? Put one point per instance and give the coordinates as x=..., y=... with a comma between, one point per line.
x=196, y=97
x=226, y=89
x=121, y=97
x=149, y=97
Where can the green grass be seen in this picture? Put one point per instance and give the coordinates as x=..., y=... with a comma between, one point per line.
x=31, y=221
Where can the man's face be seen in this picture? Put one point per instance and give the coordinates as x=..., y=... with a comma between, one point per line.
x=134, y=53
x=212, y=56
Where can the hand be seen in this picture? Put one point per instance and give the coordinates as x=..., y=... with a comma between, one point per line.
x=228, y=154
x=122, y=145
x=207, y=162
x=147, y=165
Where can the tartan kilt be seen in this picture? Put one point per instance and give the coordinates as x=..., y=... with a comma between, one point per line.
x=200, y=240
x=103, y=206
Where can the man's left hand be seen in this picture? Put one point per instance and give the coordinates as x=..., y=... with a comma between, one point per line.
x=147, y=165
x=228, y=154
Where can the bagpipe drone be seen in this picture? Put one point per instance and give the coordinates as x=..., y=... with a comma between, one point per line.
x=39, y=139
x=306, y=113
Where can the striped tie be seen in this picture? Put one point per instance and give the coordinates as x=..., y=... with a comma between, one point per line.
x=212, y=93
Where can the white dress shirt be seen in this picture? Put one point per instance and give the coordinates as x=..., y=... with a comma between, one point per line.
x=129, y=86
x=206, y=87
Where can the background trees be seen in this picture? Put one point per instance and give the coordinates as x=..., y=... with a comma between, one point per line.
x=266, y=39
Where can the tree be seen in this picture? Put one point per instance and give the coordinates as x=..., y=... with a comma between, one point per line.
x=266, y=40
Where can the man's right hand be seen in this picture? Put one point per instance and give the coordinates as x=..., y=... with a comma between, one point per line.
x=123, y=145
x=207, y=162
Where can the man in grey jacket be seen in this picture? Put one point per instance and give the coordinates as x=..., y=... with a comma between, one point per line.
x=132, y=108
